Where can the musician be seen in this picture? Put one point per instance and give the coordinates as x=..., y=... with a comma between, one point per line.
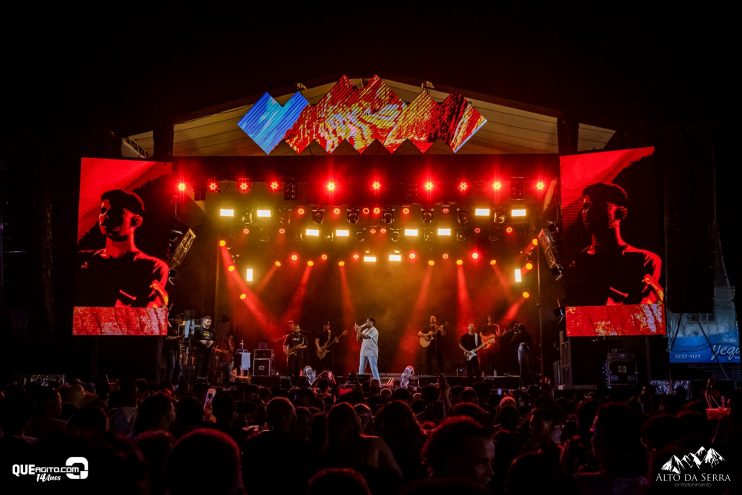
x=325, y=337
x=433, y=332
x=488, y=358
x=224, y=352
x=294, y=345
x=522, y=339
x=171, y=348
x=470, y=341
x=369, y=336
x=204, y=341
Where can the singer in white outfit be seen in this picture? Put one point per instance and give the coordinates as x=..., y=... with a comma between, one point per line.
x=369, y=336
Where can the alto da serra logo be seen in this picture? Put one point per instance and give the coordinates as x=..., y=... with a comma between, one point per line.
x=694, y=468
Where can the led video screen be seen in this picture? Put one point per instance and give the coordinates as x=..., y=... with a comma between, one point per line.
x=121, y=272
x=613, y=221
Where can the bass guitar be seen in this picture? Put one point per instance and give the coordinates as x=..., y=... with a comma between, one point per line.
x=323, y=350
x=469, y=355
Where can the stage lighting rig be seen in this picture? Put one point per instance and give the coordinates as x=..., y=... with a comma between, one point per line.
x=360, y=235
x=318, y=215
x=387, y=216
x=427, y=215
x=462, y=216
x=353, y=215
x=290, y=190
x=394, y=235
x=284, y=216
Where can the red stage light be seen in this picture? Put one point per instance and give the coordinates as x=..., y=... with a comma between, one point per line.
x=213, y=186
x=365, y=211
x=277, y=263
x=477, y=230
x=341, y=263
x=428, y=186
x=324, y=257
x=336, y=210
x=281, y=230
x=294, y=257
x=222, y=243
x=300, y=211
x=310, y=263
x=509, y=230
x=445, y=256
x=246, y=231
x=540, y=185
x=526, y=294
x=445, y=210
x=463, y=186
x=376, y=185
x=231, y=268
x=431, y=263
x=372, y=230
x=497, y=185
x=243, y=185
x=459, y=262
x=493, y=262
x=412, y=256
x=529, y=266
x=382, y=230
x=355, y=256
x=275, y=186
x=475, y=255
x=405, y=211
x=377, y=210
x=330, y=186
x=182, y=186
x=243, y=296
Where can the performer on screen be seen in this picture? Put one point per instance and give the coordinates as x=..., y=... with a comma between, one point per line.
x=431, y=337
x=294, y=346
x=611, y=271
x=120, y=274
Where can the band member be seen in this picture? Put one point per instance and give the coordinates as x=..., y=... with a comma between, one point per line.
x=488, y=358
x=293, y=346
x=204, y=341
x=322, y=342
x=433, y=333
x=224, y=352
x=522, y=339
x=369, y=336
x=470, y=343
x=171, y=348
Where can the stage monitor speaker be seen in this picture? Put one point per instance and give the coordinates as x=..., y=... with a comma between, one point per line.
x=263, y=367
x=263, y=353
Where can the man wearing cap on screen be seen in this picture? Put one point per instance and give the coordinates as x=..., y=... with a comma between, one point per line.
x=611, y=271
x=120, y=274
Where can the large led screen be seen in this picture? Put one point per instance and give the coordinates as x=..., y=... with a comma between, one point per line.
x=121, y=269
x=612, y=215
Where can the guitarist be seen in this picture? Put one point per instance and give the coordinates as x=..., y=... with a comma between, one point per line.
x=433, y=332
x=294, y=345
x=469, y=342
x=322, y=343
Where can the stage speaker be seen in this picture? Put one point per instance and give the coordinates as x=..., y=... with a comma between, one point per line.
x=263, y=354
x=263, y=367
x=620, y=369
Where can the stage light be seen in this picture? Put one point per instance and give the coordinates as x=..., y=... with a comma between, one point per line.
x=181, y=187
x=377, y=210
x=518, y=276
x=243, y=296
x=540, y=185
x=226, y=212
x=428, y=186
x=277, y=263
x=463, y=186
x=213, y=186
x=497, y=185
x=281, y=230
x=222, y=243
x=461, y=235
x=366, y=211
x=412, y=255
x=361, y=235
x=330, y=186
x=388, y=216
x=394, y=235
x=405, y=211
x=444, y=232
x=526, y=294
x=382, y=230
x=534, y=242
x=509, y=230
x=431, y=263
x=482, y=212
x=445, y=210
x=477, y=230
x=427, y=215
x=516, y=188
x=459, y=262
x=376, y=185
x=310, y=263
x=462, y=216
x=231, y=268
x=249, y=275
x=263, y=213
x=341, y=263
x=318, y=215
x=529, y=266
x=395, y=257
x=355, y=256
x=493, y=262
x=445, y=256
x=246, y=231
x=336, y=211
x=300, y=211
x=323, y=257
x=294, y=257
x=500, y=216
x=369, y=258
x=518, y=212
x=411, y=232
x=372, y=230
x=243, y=185
x=428, y=235
x=312, y=232
x=352, y=215
x=475, y=255
x=290, y=190
x=274, y=186
x=342, y=233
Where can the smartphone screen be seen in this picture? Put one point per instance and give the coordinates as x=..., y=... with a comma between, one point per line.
x=209, y=397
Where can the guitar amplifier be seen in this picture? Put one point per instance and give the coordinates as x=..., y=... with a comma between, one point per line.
x=263, y=367
x=263, y=354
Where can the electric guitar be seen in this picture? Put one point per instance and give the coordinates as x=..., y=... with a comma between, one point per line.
x=323, y=350
x=469, y=355
x=295, y=349
x=427, y=338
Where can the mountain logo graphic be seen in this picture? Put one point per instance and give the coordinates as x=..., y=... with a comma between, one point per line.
x=693, y=461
